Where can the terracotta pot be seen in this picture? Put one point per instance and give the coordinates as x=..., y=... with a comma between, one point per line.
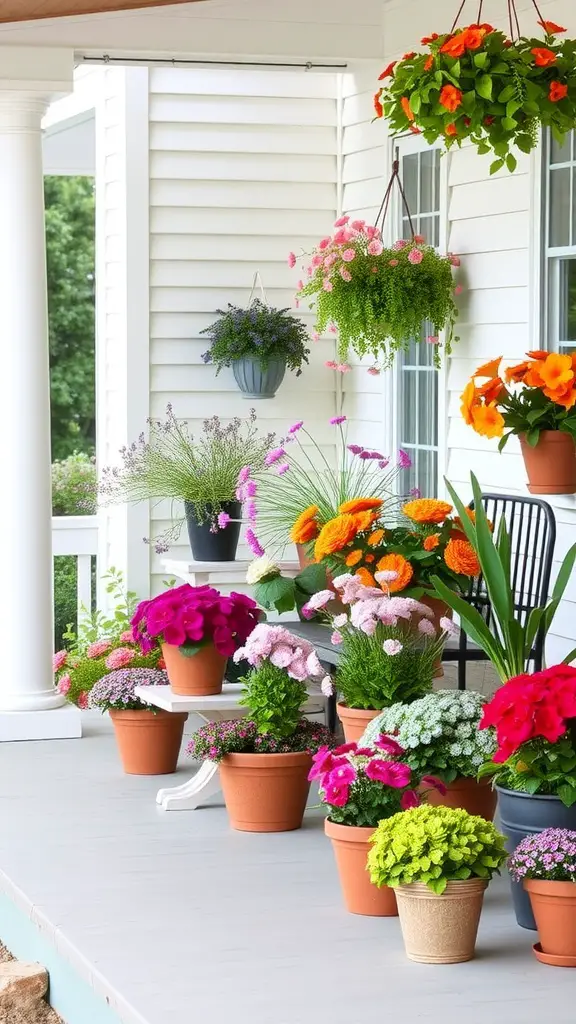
x=355, y=720
x=351, y=846
x=551, y=464
x=475, y=797
x=149, y=742
x=304, y=559
x=198, y=676
x=554, y=908
x=265, y=792
x=440, y=929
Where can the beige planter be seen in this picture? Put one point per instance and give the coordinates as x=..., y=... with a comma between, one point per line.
x=440, y=929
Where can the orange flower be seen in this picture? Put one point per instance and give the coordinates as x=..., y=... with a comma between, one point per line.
x=355, y=505
x=364, y=520
x=492, y=390
x=335, y=535
x=563, y=396
x=556, y=370
x=429, y=39
x=429, y=63
x=469, y=402
x=551, y=28
x=375, y=538
x=461, y=557
x=473, y=37
x=388, y=72
x=558, y=92
x=354, y=557
x=488, y=421
x=370, y=558
x=305, y=528
x=427, y=510
x=539, y=353
x=405, y=103
x=431, y=542
x=489, y=369
x=543, y=57
x=378, y=108
x=451, y=129
x=402, y=568
x=532, y=377
x=516, y=374
x=455, y=46
x=450, y=98
x=408, y=56
x=366, y=577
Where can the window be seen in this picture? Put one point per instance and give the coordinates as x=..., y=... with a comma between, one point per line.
x=560, y=244
x=417, y=379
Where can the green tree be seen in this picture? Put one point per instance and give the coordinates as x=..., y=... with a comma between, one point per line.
x=70, y=262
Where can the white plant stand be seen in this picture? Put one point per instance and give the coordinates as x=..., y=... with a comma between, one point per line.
x=199, y=574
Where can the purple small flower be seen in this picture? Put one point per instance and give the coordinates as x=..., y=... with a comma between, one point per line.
x=251, y=489
x=283, y=468
x=376, y=455
x=365, y=455
x=383, y=463
x=254, y=544
x=274, y=456
x=404, y=460
x=415, y=492
x=356, y=449
x=223, y=520
x=337, y=420
x=252, y=511
x=244, y=474
x=296, y=426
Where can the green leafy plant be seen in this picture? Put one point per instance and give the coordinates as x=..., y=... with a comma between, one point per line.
x=434, y=846
x=273, y=700
x=74, y=485
x=368, y=677
x=262, y=332
x=477, y=84
x=272, y=590
x=97, y=625
x=539, y=767
x=507, y=641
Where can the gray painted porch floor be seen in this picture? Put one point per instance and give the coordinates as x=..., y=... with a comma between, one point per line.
x=183, y=920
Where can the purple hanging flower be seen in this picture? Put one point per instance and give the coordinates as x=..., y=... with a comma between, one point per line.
x=283, y=469
x=223, y=520
x=254, y=544
x=356, y=449
x=415, y=492
x=274, y=456
x=337, y=420
x=296, y=427
x=404, y=460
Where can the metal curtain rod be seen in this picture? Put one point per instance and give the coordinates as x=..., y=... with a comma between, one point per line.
x=178, y=62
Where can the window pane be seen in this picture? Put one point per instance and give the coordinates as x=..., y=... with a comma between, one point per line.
x=567, y=318
x=560, y=184
x=408, y=420
x=428, y=160
x=410, y=181
x=428, y=408
x=428, y=226
x=561, y=152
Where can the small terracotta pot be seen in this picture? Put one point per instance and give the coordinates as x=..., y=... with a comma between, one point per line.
x=198, y=676
x=354, y=721
x=554, y=908
x=304, y=559
x=265, y=792
x=149, y=742
x=440, y=929
x=351, y=846
x=551, y=464
x=474, y=797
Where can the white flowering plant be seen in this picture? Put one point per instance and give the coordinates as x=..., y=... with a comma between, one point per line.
x=440, y=733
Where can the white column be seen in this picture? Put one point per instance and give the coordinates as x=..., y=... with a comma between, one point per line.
x=26, y=680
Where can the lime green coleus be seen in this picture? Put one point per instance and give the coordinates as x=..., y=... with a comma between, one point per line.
x=434, y=845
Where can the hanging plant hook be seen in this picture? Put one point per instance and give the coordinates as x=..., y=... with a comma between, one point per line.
x=383, y=211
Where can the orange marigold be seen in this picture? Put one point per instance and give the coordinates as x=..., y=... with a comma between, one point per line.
x=401, y=566
x=360, y=505
x=305, y=528
x=376, y=537
x=366, y=577
x=354, y=557
x=431, y=542
x=365, y=520
x=335, y=535
x=461, y=557
x=427, y=510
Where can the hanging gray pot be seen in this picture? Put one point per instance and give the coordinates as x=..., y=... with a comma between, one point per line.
x=257, y=381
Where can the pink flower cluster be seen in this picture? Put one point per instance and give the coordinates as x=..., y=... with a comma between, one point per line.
x=370, y=605
x=194, y=615
x=342, y=773
x=282, y=649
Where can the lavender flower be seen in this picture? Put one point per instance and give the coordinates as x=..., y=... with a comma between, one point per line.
x=404, y=460
x=296, y=427
x=337, y=420
x=274, y=456
x=223, y=520
x=254, y=544
x=283, y=468
x=549, y=855
x=116, y=690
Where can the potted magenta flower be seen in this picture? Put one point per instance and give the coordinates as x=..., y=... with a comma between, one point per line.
x=148, y=739
x=265, y=759
x=361, y=786
x=545, y=864
x=198, y=629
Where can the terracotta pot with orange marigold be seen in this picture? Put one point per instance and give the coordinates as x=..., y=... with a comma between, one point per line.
x=535, y=400
x=474, y=83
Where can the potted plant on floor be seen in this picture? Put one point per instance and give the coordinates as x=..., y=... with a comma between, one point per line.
x=439, y=861
x=389, y=648
x=198, y=629
x=200, y=471
x=361, y=786
x=534, y=766
x=545, y=864
x=440, y=735
x=258, y=343
x=265, y=759
x=149, y=740
x=535, y=400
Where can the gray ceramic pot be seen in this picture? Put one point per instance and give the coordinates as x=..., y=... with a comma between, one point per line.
x=257, y=381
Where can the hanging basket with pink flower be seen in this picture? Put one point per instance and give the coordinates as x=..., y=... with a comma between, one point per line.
x=479, y=83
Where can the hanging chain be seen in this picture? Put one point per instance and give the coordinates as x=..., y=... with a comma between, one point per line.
x=513, y=20
x=383, y=211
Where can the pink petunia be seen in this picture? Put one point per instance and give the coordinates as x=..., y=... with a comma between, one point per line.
x=337, y=794
x=331, y=365
x=343, y=774
x=59, y=660
x=324, y=243
x=373, y=371
x=409, y=800
x=400, y=244
x=291, y=259
x=415, y=256
x=343, y=368
x=388, y=745
x=358, y=225
x=372, y=232
x=121, y=657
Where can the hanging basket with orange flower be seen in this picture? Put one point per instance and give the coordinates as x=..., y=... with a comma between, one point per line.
x=482, y=84
x=535, y=400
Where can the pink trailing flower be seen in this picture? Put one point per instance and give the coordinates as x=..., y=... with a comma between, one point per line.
x=415, y=256
x=120, y=658
x=375, y=247
x=341, y=221
x=333, y=329
x=399, y=245
x=315, y=336
x=393, y=263
x=223, y=520
x=64, y=684
x=324, y=243
x=59, y=660
x=404, y=460
x=348, y=255
x=373, y=371
x=330, y=260
x=419, y=239
x=372, y=232
x=317, y=260
x=331, y=365
x=454, y=260
x=126, y=637
x=291, y=259
x=337, y=420
x=433, y=339
x=98, y=648
x=327, y=284
x=336, y=638
x=383, y=463
x=300, y=285
x=343, y=368
x=358, y=225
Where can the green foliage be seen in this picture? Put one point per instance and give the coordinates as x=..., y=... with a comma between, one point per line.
x=261, y=332
x=367, y=677
x=97, y=625
x=507, y=642
x=287, y=593
x=530, y=412
x=74, y=485
x=65, y=597
x=273, y=700
x=70, y=266
x=539, y=767
x=434, y=846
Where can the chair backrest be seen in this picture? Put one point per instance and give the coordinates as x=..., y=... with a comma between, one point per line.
x=531, y=526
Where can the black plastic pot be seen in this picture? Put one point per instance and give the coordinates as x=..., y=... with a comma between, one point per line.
x=257, y=381
x=218, y=546
x=523, y=815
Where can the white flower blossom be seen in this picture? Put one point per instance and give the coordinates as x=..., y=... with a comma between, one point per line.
x=260, y=568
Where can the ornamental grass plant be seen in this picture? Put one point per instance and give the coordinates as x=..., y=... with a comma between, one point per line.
x=260, y=332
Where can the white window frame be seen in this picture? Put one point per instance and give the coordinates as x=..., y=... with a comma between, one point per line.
x=553, y=257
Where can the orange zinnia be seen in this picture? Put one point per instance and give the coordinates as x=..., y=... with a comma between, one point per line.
x=364, y=521
x=305, y=528
x=543, y=57
x=431, y=542
x=489, y=369
x=366, y=577
x=335, y=535
x=461, y=557
x=401, y=566
x=353, y=558
x=455, y=46
x=488, y=421
x=360, y=505
x=405, y=103
x=470, y=401
x=556, y=371
x=375, y=538
x=450, y=98
x=427, y=510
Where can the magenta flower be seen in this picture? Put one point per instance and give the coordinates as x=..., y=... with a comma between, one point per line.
x=59, y=660
x=337, y=420
x=82, y=701
x=296, y=427
x=337, y=794
x=409, y=800
x=223, y=520
x=345, y=748
x=388, y=745
x=345, y=274
x=254, y=544
x=383, y=463
x=283, y=468
x=391, y=773
x=274, y=456
x=252, y=511
x=244, y=474
x=430, y=780
x=415, y=256
x=356, y=449
x=404, y=460
x=291, y=259
x=342, y=774
x=322, y=763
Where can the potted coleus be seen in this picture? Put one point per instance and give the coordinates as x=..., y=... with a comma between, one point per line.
x=536, y=401
x=198, y=629
x=149, y=740
x=441, y=736
x=259, y=343
x=377, y=297
x=439, y=861
x=264, y=759
x=389, y=647
x=475, y=83
x=361, y=786
x=545, y=864
x=534, y=767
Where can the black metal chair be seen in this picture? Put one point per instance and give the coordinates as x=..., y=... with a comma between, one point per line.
x=531, y=526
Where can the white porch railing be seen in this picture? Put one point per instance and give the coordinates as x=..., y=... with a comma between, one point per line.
x=77, y=535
